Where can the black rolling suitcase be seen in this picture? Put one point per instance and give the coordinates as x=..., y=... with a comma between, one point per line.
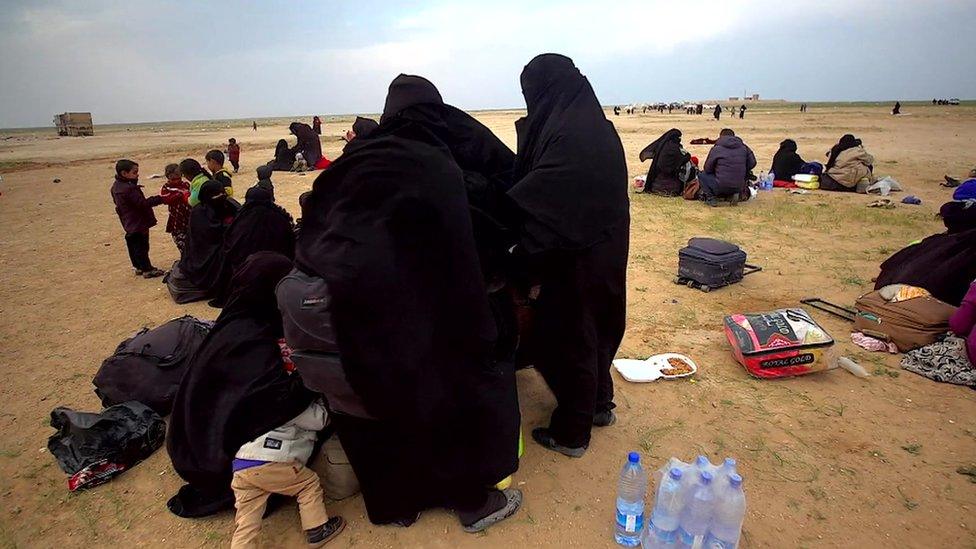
x=709, y=263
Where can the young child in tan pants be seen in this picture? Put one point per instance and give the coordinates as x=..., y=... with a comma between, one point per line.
x=273, y=463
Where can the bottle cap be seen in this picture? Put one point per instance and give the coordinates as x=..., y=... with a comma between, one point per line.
x=633, y=457
x=675, y=473
x=730, y=462
x=735, y=480
x=706, y=477
x=702, y=461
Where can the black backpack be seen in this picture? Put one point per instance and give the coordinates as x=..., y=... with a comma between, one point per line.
x=149, y=366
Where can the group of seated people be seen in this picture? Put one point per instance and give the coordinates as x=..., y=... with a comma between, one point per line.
x=438, y=260
x=728, y=169
x=304, y=156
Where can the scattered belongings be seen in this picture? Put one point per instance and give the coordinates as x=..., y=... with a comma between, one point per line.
x=945, y=361
x=149, y=366
x=781, y=343
x=666, y=366
x=851, y=366
x=56, y=180
x=797, y=191
x=911, y=199
x=639, y=182
x=905, y=315
x=807, y=181
x=873, y=344
x=884, y=186
x=94, y=447
x=969, y=471
x=884, y=203
x=709, y=263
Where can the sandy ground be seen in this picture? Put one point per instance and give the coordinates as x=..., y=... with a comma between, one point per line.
x=829, y=459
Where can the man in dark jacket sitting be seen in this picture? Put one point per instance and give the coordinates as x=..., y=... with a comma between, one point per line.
x=726, y=168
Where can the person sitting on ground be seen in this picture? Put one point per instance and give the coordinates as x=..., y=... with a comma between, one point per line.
x=963, y=322
x=264, y=180
x=284, y=157
x=176, y=195
x=952, y=182
x=194, y=276
x=135, y=212
x=300, y=164
x=260, y=225
x=959, y=214
x=786, y=162
x=944, y=264
x=236, y=387
x=362, y=127
x=667, y=159
x=726, y=170
x=849, y=167
x=273, y=463
x=215, y=163
x=309, y=145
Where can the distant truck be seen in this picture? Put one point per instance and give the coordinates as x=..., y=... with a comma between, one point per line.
x=74, y=124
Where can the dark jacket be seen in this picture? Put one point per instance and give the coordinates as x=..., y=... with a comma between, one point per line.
x=134, y=209
x=729, y=161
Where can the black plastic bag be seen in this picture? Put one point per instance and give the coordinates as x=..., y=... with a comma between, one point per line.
x=94, y=447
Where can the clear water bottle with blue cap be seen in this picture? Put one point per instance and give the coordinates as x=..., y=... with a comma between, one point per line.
x=662, y=530
x=730, y=510
x=696, y=517
x=630, y=502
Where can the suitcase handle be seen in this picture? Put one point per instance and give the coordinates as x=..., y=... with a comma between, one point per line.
x=749, y=269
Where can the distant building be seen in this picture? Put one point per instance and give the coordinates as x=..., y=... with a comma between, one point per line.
x=755, y=97
x=733, y=99
x=74, y=124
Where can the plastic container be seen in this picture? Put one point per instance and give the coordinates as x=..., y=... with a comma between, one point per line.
x=630, y=502
x=662, y=530
x=730, y=510
x=696, y=517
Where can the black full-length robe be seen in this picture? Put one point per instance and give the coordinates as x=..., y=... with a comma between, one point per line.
x=284, y=157
x=387, y=227
x=197, y=272
x=260, y=225
x=786, y=162
x=944, y=264
x=571, y=189
x=308, y=144
x=667, y=158
x=235, y=388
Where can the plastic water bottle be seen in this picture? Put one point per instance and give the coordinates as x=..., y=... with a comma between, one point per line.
x=722, y=477
x=630, y=502
x=662, y=530
x=696, y=517
x=727, y=520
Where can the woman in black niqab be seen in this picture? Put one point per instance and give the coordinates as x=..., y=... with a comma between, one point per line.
x=667, y=158
x=387, y=228
x=260, y=225
x=235, y=389
x=201, y=259
x=786, y=161
x=284, y=157
x=308, y=143
x=571, y=194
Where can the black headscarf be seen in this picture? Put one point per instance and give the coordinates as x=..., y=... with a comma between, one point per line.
x=236, y=387
x=786, y=162
x=570, y=172
x=362, y=127
x=944, y=264
x=959, y=215
x=260, y=225
x=201, y=259
x=308, y=143
x=848, y=141
x=387, y=228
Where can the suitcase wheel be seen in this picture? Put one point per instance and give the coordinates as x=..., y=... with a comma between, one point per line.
x=690, y=283
x=677, y=280
x=706, y=289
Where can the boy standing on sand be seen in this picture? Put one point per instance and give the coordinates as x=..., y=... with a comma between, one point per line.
x=136, y=215
x=215, y=163
x=234, y=153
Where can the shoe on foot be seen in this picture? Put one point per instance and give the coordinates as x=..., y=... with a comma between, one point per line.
x=544, y=437
x=604, y=419
x=713, y=202
x=139, y=272
x=735, y=199
x=153, y=273
x=513, y=501
x=320, y=535
x=950, y=182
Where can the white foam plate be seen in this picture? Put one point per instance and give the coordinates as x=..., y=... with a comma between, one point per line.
x=643, y=371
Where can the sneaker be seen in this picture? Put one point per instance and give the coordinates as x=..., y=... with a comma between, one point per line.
x=138, y=272
x=735, y=199
x=544, y=437
x=153, y=273
x=950, y=182
x=513, y=501
x=604, y=419
x=320, y=535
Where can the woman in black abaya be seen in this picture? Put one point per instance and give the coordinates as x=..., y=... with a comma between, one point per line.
x=308, y=143
x=667, y=157
x=387, y=228
x=571, y=194
x=260, y=225
x=235, y=389
x=786, y=161
x=284, y=157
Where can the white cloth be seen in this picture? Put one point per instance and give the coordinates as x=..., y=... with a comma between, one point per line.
x=293, y=441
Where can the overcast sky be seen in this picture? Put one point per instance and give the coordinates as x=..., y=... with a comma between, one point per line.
x=149, y=60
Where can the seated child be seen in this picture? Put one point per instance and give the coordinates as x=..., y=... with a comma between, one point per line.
x=273, y=463
x=300, y=165
x=264, y=179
